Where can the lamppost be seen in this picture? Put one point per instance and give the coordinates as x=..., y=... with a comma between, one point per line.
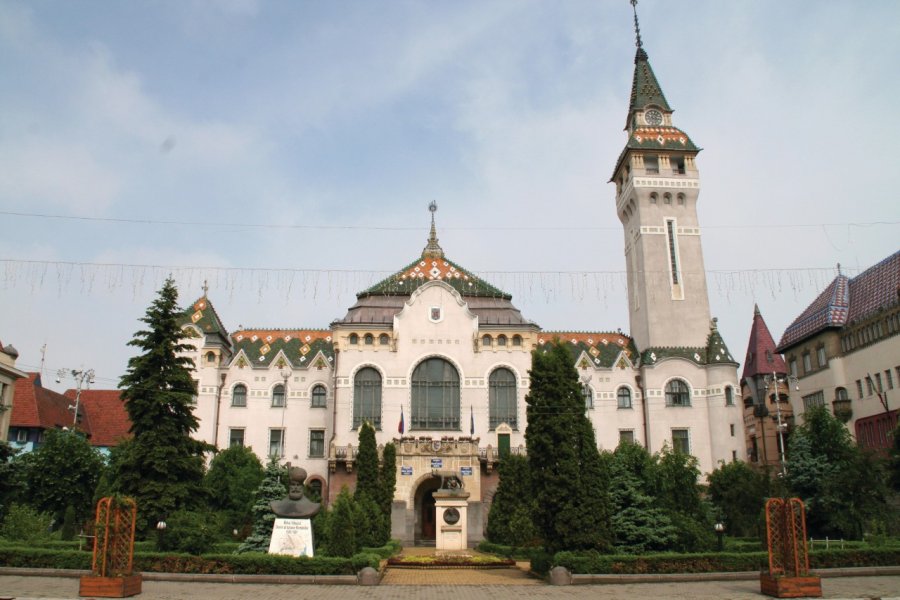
x=720, y=533
x=83, y=379
x=160, y=532
x=774, y=381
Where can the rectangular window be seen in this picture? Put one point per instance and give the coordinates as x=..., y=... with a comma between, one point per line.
x=732, y=429
x=815, y=400
x=820, y=356
x=681, y=441
x=276, y=442
x=316, y=443
x=859, y=388
x=807, y=363
x=22, y=436
x=677, y=165
x=626, y=436
x=888, y=377
x=235, y=437
x=793, y=366
x=878, y=382
x=754, y=449
x=651, y=164
x=673, y=250
x=869, y=387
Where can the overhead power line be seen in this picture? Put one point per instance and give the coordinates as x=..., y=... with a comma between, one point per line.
x=139, y=221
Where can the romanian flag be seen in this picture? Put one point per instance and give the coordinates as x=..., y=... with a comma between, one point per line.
x=401, y=428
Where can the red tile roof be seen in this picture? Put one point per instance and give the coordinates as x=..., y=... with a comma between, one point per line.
x=36, y=406
x=105, y=416
x=846, y=300
x=761, y=355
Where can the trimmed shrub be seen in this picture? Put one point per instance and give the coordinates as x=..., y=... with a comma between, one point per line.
x=25, y=524
x=388, y=550
x=519, y=552
x=189, y=532
x=541, y=562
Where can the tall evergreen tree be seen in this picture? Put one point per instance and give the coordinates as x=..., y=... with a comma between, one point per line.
x=566, y=472
x=367, y=463
x=511, y=520
x=163, y=469
x=387, y=485
x=271, y=488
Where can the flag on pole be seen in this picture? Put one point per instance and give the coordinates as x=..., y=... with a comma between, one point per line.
x=471, y=420
x=401, y=428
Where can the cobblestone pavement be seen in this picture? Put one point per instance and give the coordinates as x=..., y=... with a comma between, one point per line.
x=57, y=588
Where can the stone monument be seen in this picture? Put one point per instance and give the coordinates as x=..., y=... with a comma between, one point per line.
x=451, y=502
x=292, y=532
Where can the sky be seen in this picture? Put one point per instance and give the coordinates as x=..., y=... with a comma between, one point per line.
x=287, y=151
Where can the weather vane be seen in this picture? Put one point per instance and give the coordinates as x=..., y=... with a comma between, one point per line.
x=637, y=28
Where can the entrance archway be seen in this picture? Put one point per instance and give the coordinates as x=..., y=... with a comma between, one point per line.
x=425, y=532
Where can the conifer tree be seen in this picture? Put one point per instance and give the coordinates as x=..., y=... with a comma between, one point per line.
x=511, y=519
x=366, y=463
x=342, y=529
x=164, y=467
x=387, y=485
x=271, y=488
x=566, y=471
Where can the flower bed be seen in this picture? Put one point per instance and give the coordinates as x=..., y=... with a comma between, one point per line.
x=479, y=561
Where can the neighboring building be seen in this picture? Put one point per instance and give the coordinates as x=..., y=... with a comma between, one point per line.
x=438, y=359
x=845, y=350
x=767, y=406
x=8, y=376
x=105, y=419
x=101, y=415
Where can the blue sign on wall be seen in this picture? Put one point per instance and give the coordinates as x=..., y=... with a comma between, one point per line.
x=466, y=471
x=437, y=463
x=406, y=470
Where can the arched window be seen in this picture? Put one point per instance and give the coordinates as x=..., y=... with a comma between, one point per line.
x=501, y=340
x=367, y=398
x=623, y=397
x=315, y=490
x=667, y=198
x=841, y=393
x=239, y=395
x=678, y=393
x=486, y=341
x=278, y=395
x=653, y=197
x=502, y=398
x=319, y=396
x=435, y=395
x=517, y=340
x=383, y=339
x=210, y=357
x=369, y=339
x=729, y=395
x=588, y=396
x=681, y=199
x=354, y=339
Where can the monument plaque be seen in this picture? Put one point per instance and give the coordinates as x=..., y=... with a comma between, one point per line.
x=292, y=537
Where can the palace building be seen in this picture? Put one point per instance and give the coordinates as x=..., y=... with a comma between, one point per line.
x=438, y=360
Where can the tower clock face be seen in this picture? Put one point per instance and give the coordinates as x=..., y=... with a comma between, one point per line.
x=653, y=117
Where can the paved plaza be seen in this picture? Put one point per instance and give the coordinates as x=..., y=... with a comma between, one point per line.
x=466, y=587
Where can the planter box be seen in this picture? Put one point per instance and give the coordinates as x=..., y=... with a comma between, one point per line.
x=110, y=587
x=790, y=587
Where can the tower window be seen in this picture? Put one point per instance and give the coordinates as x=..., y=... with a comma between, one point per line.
x=673, y=250
x=651, y=164
x=678, y=393
x=486, y=341
x=623, y=397
x=667, y=198
x=517, y=340
x=729, y=395
x=653, y=198
x=501, y=340
x=681, y=199
x=354, y=339
x=677, y=165
x=369, y=339
x=383, y=339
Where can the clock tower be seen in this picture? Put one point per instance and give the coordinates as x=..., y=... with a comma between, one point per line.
x=657, y=184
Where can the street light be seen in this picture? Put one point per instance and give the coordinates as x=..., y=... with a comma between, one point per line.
x=160, y=531
x=774, y=381
x=83, y=379
x=720, y=533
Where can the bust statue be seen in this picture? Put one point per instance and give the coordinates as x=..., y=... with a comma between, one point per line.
x=295, y=506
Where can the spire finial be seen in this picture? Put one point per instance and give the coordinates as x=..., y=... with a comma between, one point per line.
x=433, y=249
x=839, y=269
x=205, y=287
x=637, y=27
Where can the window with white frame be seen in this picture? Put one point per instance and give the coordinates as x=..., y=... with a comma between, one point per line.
x=814, y=400
x=502, y=399
x=276, y=442
x=319, y=397
x=793, y=366
x=435, y=395
x=278, y=396
x=367, y=398
x=729, y=395
x=807, y=363
x=316, y=443
x=821, y=358
x=681, y=441
x=678, y=393
x=22, y=436
x=626, y=436
x=588, y=395
x=623, y=397
x=236, y=437
x=239, y=395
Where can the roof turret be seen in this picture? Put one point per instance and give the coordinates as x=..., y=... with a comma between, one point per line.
x=762, y=359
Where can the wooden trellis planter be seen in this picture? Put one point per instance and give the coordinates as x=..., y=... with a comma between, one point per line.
x=112, y=573
x=788, y=575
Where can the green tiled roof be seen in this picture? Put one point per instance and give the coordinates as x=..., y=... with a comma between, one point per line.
x=301, y=347
x=645, y=88
x=715, y=352
x=423, y=270
x=603, y=355
x=202, y=314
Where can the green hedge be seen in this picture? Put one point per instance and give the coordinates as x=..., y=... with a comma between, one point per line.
x=245, y=564
x=388, y=550
x=524, y=553
x=710, y=562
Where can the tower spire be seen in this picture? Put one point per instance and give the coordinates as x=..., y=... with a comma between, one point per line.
x=432, y=248
x=637, y=31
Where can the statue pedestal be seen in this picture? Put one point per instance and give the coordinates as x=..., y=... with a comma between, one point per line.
x=450, y=508
x=293, y=537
